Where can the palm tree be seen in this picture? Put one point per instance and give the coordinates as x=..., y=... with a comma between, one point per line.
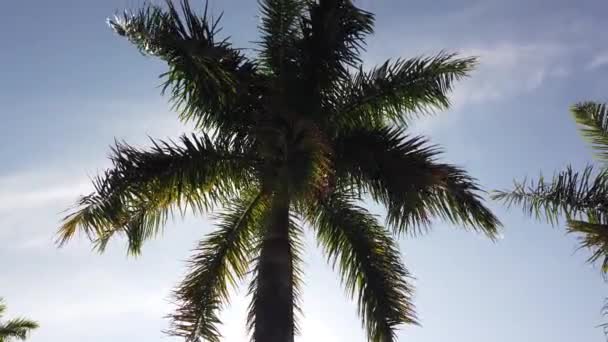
x=579, y=196
x=16, y=328
x=294, y=135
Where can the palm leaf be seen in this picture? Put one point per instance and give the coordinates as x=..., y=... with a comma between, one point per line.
x=18, y=328
x=333, y=38
x=402, y=173
x=594, y=237
x=220, y=261
x=205, y=73
x=592, y=118
x=569, y=193
x=280, y=33
x=369, y=264
x=141, y=191
x=604, y=313
x=393, y=91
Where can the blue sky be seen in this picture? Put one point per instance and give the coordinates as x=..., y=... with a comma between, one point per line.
x=70, y=87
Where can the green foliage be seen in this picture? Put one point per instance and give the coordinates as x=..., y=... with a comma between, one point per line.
x=142, y=190
x=592, y=118
x=205, y=73
x=402, y=173
x=387, y=93
x=16, y=328
x=220, y=261
x=333, y=37
x=368, y=262
x=297, y=129
x=580, y=197
x=593, y=236
x=570, y=193
x=280, y=34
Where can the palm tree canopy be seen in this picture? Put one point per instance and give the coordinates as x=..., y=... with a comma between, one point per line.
x=16, y=328
x=297, y=133
x=579, y=196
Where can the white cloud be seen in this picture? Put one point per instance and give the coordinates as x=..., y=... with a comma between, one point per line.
x=31, y=204
x=107, y=303
x=599, y=60
x=27, y=189
x=36, y=242
x=26, y=199
x=93, y=296
x=509, y=69
x=505, y=70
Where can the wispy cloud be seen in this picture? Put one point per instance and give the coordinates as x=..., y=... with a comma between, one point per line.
x=108, y=300
x=31, y=204
x=14, y=200
x=505, y=70
x=599, y=60
x=31, y=190
x=509, y=69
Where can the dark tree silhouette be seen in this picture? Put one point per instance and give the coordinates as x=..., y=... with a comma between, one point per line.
x=294, y=135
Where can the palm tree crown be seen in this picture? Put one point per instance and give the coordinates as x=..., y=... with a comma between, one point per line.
x=580, y=196
x=296, y=134
x=16, y=328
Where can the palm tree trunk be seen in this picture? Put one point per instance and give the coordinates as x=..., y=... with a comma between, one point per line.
x=274, y=305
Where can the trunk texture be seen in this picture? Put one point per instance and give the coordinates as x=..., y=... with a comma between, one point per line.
x=275, y=305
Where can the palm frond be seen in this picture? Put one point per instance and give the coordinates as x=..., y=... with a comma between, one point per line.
x=142, y=190
x=18, y=328
x=280, y=34
x=333, y=38
x=369, y=264
x=402, y=173
x=568, y=193
x=205, y=73
x=594, y=237
x=274, y=287
x=394, y=91
x=220, y=261
x=2, y=306
x=296, y=236
x=604, y=312
x=592, y=118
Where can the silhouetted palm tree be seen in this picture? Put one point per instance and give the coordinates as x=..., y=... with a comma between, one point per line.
x=16, y=328
x=296, y=134
x=579, y=197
